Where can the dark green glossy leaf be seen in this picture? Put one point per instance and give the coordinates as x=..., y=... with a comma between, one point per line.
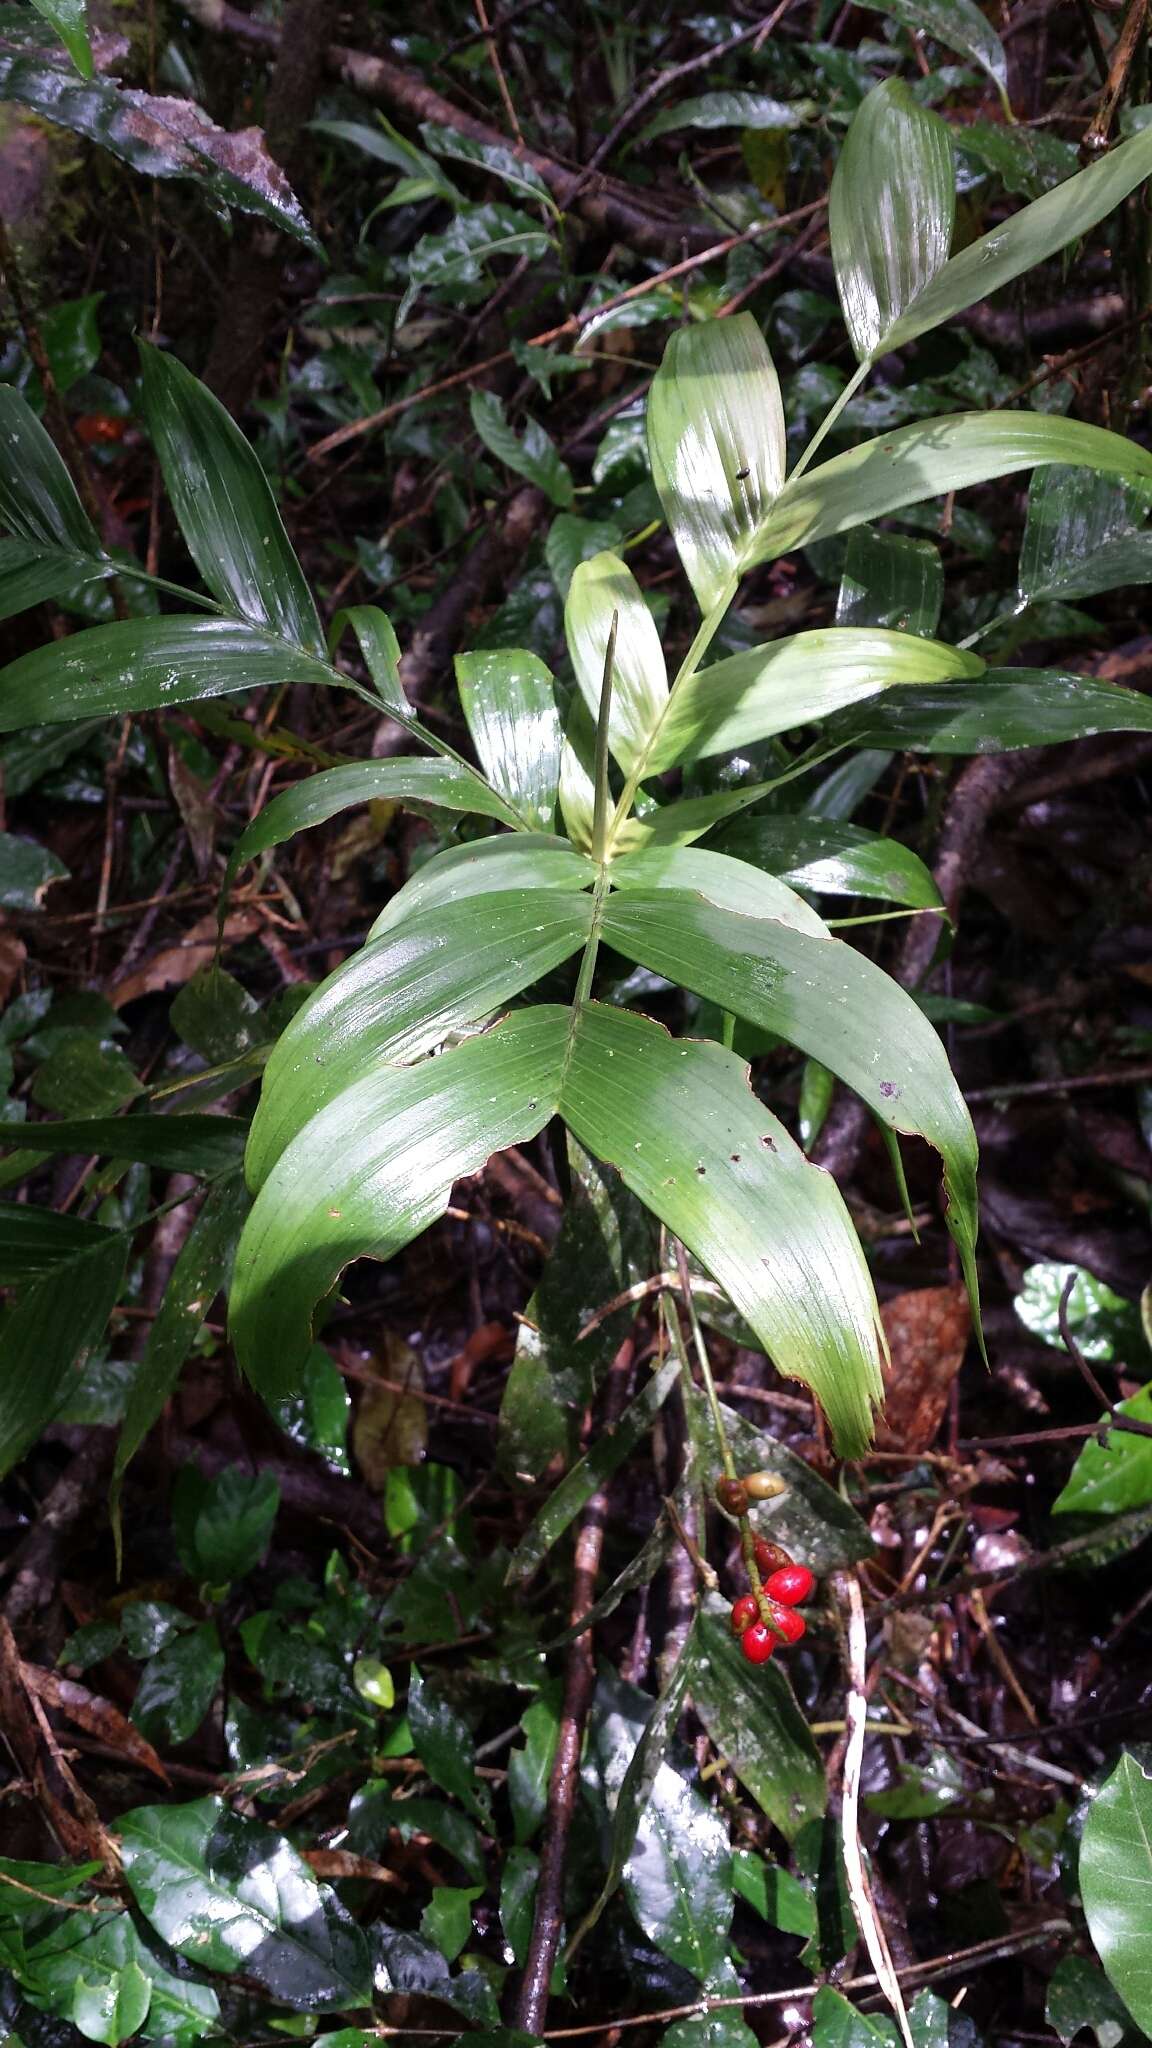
x=46, y=1336
x=530, y=1763
x=790, y=682
x=837, y=2024
x=727, y=883
x=60, y=1880
x=84, y=1077
x=1004, y=709
x=1112, y=1476
x=224, y=504
x=159, y=136
x=216, y=1016
x=223, y=1524
x=404, y=993
x=447, y=1918
x=832, y=859
x=1084, y=534
x=30, y=572
x=960, y=25
x=776, y=1895
x=34, y=1240
x=1080, y=1997
x=1115, y=1881
x=378, y=644
x=146, y=665
x=206, y=1145
x=921, y=1790
x=38, y=500
x=722, y=2027
x=518, y=1886
x=891, y=206
x=27, y=872
x=754, y=1721
x=443, y=1743
x=606, y=1456
x=446, y=785
x=493, y=158
x=101, y=1972
x=234, y=1896
x=197, y=1277
x=178, y=1685
x=386, y=1153
x=604, y=1246
x=442, y=263
x=678, y=1876
x=507, y=697
x=531, y=454
x=374, y=1813
x=931, y=457
x=829, y=1000
x=891, y=580
x=674, y=1116
x=716, y=445
x=730, y=109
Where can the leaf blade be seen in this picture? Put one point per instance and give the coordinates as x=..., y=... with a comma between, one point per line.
x=891, y=207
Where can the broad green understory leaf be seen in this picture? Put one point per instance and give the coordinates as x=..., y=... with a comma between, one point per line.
x=234, y=1896
x=891, y=206
x=47, y=1334
x=831, y=859
x=716, y=444
x=754, y=1721
x=960, y=25
x=1116, y=1882
x=1084, y=534
x=924, y=460
x=770, y=1228
x=38, y=501
x=790, y=682
x=823, y=996
x=1003, y=709
x=185, y=1144
x=891, y=580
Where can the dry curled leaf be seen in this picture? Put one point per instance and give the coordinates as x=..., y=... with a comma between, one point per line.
x=172, y=966
x=927, y=1331
x=95, y=1715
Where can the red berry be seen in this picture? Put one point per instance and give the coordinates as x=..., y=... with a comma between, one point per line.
x=769, y=1557
x=744, y=1612
x=758, y=1643
x=787, y=1622
x=792, y=1584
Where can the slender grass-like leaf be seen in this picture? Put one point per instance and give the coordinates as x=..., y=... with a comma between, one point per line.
x=891, y=206
x=224, y=504
x=147, y=665
x=716, y=443
x=30, y=572
x=38, y=500
x=205, y=1145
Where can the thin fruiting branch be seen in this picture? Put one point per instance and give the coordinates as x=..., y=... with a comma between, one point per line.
x=859, y=1888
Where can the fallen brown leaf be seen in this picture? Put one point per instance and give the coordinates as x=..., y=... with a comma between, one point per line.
x=927, y=1331
x=341, y=1863
x=172, y=966
x=95, y=1715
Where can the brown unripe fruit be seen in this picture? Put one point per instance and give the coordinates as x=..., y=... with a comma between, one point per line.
x=732, y=1496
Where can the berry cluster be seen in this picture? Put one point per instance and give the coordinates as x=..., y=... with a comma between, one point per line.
x=762, y=1624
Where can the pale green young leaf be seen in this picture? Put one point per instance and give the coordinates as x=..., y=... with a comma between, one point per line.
x=891, y=207
x=599, y=589
x=1029, y=237
x=436, y=974
x=224, y=503
x=69, y=19
x=829, y=1000
x=716, y=445
x=729, y=884
x=922, y=461
x=508, y=699
x=1110, y=1477
x=147, y=665
x=485, y=867
x=792, y=682
x=386, y=1152
x=681, y=1124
